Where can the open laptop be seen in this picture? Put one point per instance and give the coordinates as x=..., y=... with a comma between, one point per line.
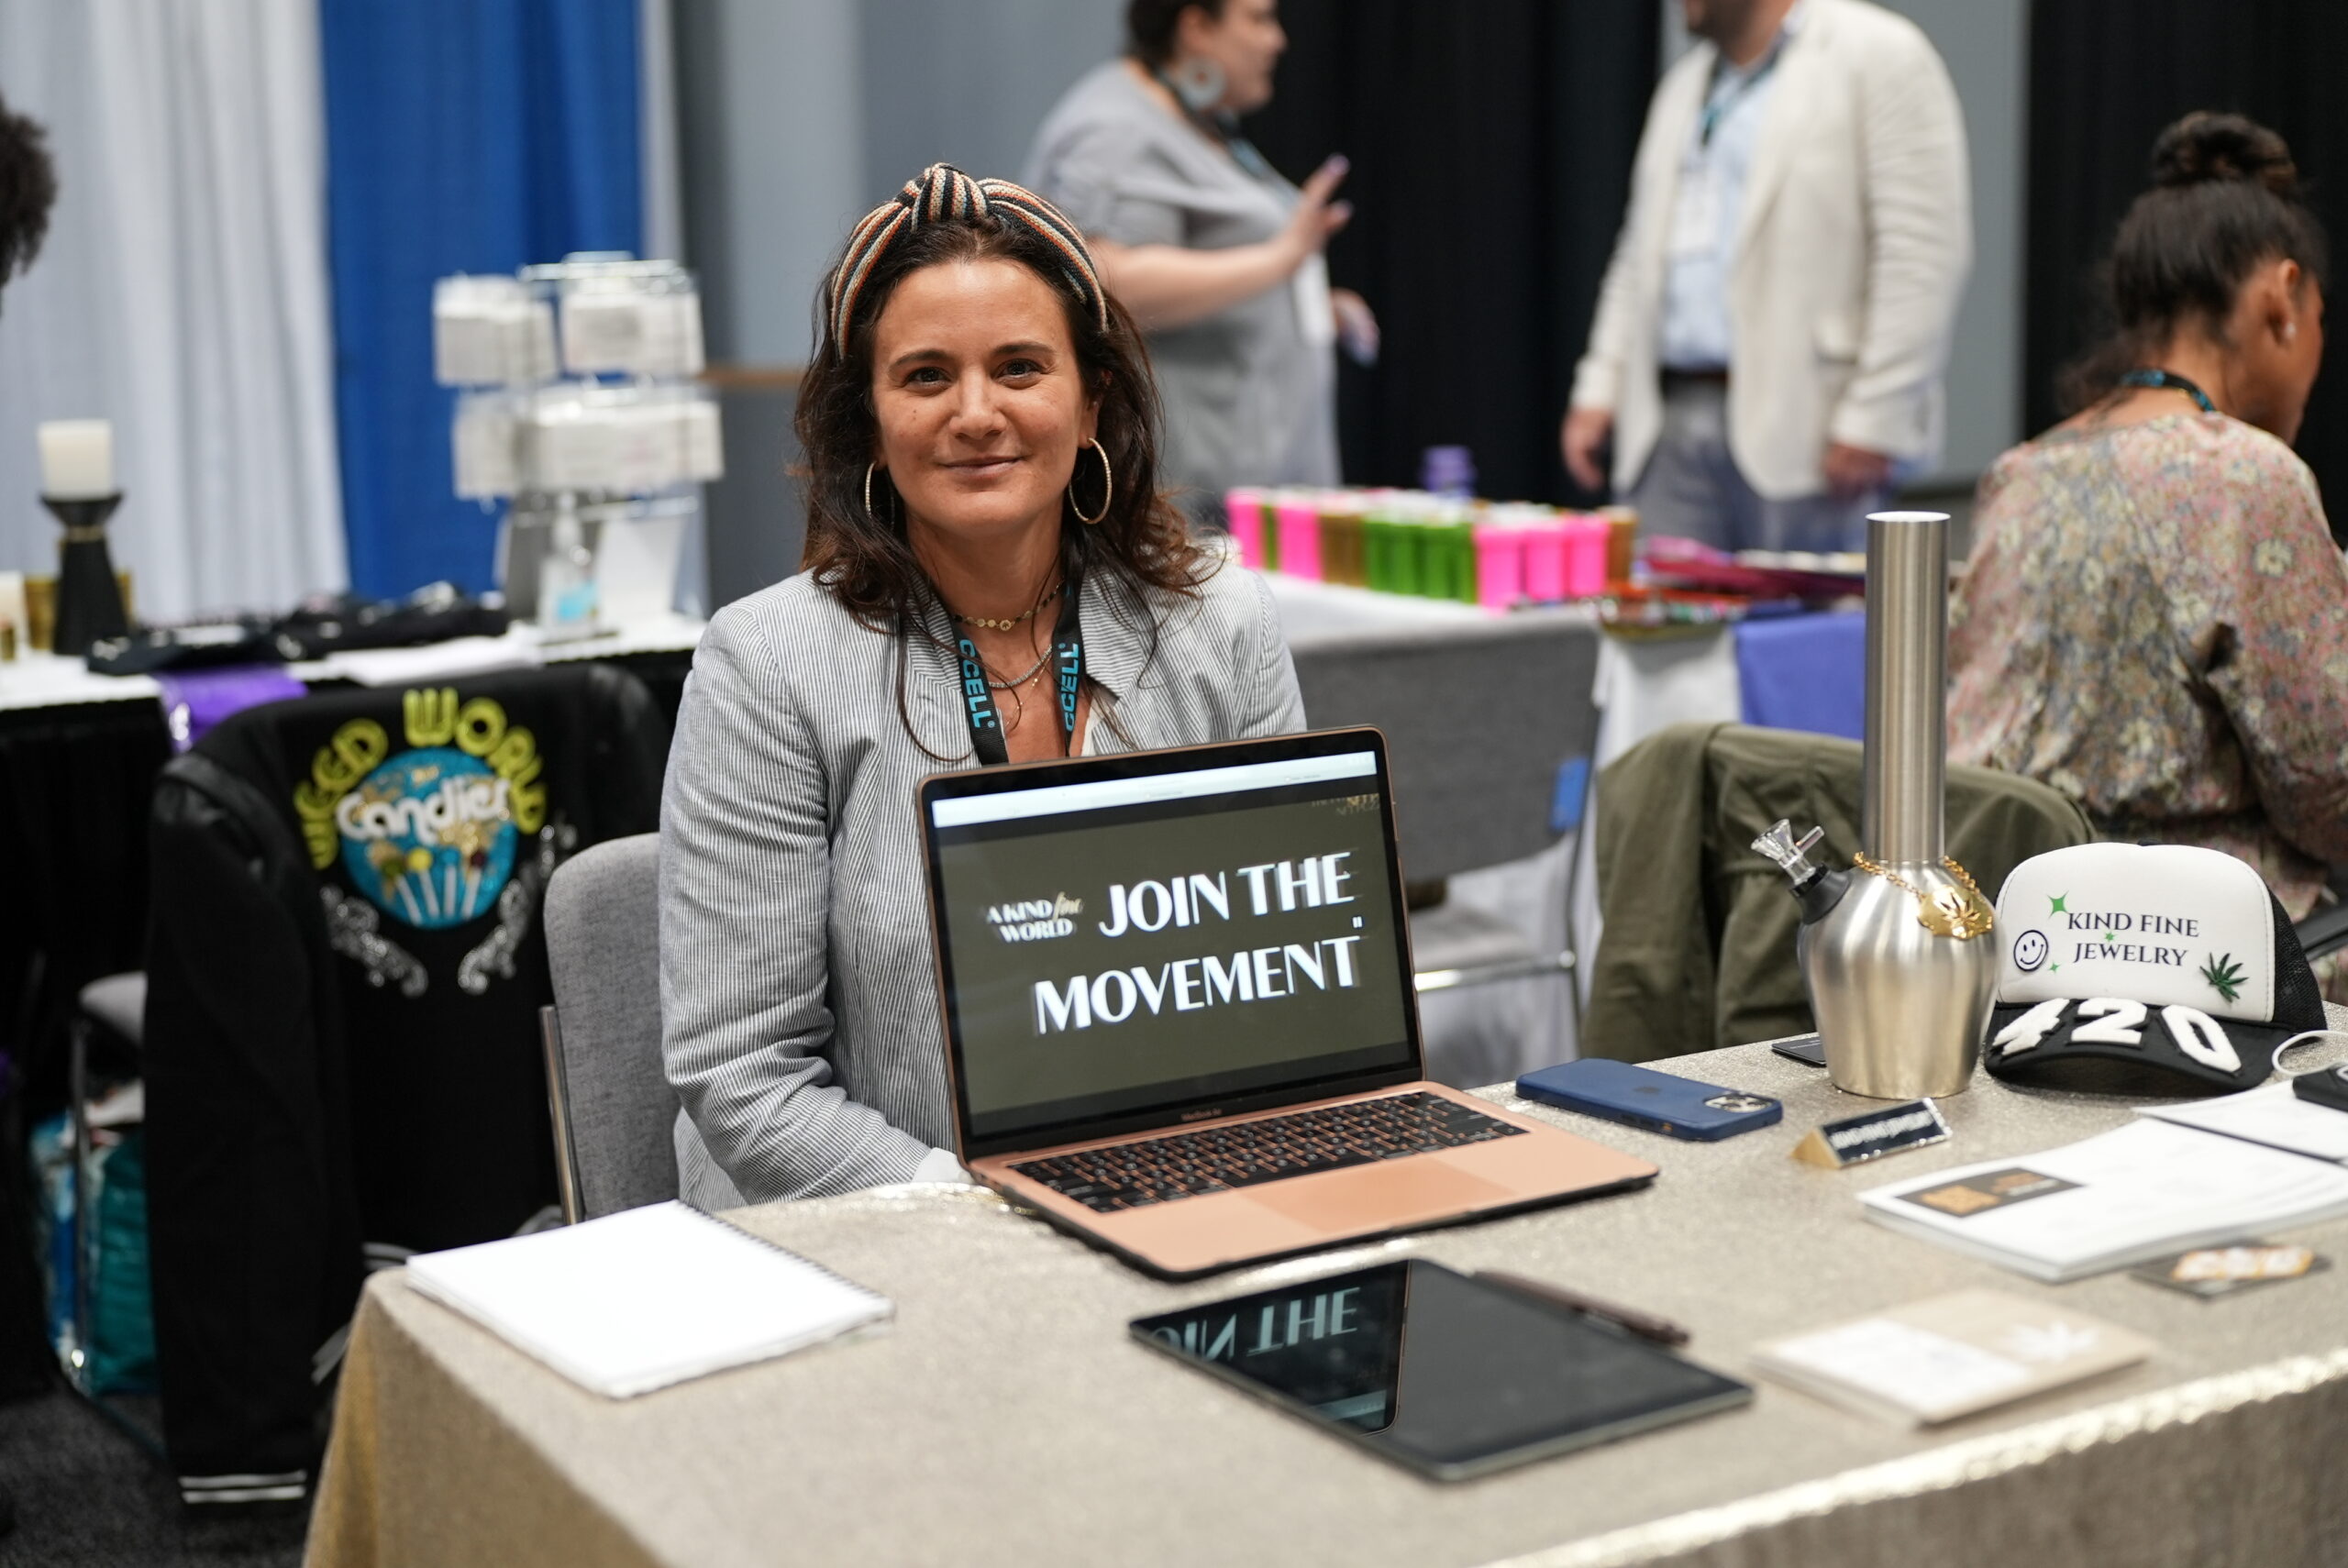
x=1180, y=1015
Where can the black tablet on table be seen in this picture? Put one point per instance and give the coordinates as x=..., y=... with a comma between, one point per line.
x=1450, y=1374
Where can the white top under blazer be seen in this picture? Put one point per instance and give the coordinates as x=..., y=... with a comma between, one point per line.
x=799, y=1005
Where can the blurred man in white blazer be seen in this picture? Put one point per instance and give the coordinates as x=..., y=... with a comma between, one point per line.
x=1766, y=355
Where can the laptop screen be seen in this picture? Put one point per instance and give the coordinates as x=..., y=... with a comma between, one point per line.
x=1169, y=934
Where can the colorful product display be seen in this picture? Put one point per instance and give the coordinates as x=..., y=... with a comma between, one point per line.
x=1258, y=548
x=1299, y=515
x=1495, y=553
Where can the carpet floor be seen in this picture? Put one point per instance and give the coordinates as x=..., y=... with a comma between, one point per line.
x=86, y=1497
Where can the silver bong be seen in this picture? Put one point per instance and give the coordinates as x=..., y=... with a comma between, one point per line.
x=1895, y=954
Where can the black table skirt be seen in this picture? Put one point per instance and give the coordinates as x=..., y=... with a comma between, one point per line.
x=74, y=788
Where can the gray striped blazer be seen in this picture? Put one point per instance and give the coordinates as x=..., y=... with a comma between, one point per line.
x=798, y=993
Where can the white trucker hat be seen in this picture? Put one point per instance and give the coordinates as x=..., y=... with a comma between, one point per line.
x=2144, y=968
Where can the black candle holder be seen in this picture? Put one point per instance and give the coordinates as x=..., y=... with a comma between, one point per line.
x=89, y=598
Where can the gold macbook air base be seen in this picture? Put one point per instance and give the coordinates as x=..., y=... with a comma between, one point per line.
x=1180, y=1015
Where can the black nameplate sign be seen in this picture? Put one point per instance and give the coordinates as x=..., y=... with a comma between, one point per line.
x=1891, y=1131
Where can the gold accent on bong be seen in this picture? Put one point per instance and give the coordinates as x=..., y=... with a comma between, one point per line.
x=1950, y=912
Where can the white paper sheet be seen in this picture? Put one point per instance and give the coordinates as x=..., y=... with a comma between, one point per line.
x=641, y=1299
x=1316, y=316
x=2273, y=1115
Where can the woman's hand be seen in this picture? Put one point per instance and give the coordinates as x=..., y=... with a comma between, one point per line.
x=1168, y=286
x=1318, y=216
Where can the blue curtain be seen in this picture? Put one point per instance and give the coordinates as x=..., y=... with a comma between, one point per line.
x=462, y=136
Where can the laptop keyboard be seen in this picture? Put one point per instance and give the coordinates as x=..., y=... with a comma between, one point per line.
x=1218, y=1159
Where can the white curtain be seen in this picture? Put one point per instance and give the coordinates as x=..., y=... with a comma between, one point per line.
x=183, y=293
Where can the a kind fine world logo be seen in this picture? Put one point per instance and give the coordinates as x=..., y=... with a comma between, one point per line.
x=1035, y=920
x=428, y=835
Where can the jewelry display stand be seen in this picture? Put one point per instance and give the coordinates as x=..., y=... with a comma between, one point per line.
x=582, y=412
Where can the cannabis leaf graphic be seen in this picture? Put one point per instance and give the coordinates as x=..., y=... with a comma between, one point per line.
x=2224, y=974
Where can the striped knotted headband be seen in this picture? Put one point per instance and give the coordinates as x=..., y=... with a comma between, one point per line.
x=945, y=194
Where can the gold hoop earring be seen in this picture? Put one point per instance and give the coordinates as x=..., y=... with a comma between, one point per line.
x=1108, y=490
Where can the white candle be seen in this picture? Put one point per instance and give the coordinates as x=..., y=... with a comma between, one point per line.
x=76, y=458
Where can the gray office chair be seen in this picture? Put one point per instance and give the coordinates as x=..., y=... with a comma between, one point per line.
x=1479, y=723
x=613, y=1109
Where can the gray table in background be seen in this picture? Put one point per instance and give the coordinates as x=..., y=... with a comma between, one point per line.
x=1006, y=1418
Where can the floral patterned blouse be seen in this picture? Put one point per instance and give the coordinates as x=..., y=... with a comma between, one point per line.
x=2154, y=620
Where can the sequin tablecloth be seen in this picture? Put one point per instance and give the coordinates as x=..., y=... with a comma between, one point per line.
x=1007, y=1418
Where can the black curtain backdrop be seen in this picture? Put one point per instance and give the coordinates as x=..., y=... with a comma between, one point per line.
x=1491, y=145
x=2105, y=76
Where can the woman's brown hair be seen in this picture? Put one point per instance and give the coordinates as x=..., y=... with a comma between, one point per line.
x=2225, y=198
x=862, y=558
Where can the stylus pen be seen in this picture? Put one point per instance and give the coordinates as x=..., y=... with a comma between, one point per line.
x=1646, y=1325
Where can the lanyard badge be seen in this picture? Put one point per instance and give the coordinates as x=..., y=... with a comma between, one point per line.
x=984, y=715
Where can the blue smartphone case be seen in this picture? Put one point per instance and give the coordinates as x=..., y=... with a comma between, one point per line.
x=1638, y=1097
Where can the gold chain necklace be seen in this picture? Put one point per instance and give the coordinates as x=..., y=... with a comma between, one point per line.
x=1949, y=912
x=1007, y=622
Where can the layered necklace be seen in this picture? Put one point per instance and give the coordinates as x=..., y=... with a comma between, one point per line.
x=1008, y=623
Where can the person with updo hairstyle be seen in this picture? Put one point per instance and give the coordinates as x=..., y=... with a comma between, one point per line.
x=2154, y=618
x=991, y=575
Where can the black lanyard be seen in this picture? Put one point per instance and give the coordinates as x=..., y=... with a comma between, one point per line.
x=2147, y=377
x=1066, y=661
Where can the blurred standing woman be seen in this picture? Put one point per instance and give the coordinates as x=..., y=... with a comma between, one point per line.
x=1218, y=256
x=2154, y=619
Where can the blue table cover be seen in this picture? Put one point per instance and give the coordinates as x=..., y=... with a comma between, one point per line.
x=1805, y=672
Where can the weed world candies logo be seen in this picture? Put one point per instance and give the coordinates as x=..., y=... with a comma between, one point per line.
x=428, y=835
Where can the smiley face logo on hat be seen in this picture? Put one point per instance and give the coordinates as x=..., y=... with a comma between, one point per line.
x=2030, y=950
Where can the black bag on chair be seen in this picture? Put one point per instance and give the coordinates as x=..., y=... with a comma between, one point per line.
x=345, y=969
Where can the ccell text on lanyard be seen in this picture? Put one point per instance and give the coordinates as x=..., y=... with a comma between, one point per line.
x=985, y=716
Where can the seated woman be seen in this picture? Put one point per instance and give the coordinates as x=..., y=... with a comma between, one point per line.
x=2155, y=620
x=980, y=434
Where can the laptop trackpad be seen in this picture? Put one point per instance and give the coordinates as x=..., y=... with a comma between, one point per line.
x=1374, y=1196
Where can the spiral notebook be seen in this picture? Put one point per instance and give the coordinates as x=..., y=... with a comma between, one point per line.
x=643, y=1298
